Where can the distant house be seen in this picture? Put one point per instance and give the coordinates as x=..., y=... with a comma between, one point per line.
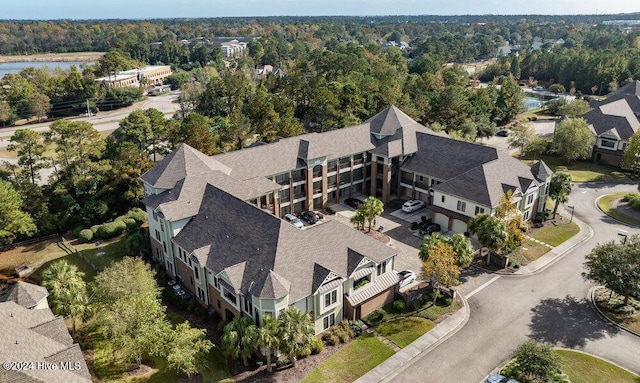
x=613, y=121
x=31, y=334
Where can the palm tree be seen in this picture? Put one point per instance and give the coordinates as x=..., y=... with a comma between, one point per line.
x=238, y=338
x=67, y=290
x=358, y=219
x=296, y=333
x=266, y=337
x=491, y=233
x=429, y=242
x=559, y=189
x=463, y=249
x=371, y=208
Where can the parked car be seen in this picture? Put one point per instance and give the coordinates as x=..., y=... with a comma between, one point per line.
x=294, y=220
x=353, y=202
x=309, y=216
x=497, y=378
x=502, y=133
x=412, y=205
x=429, y=229
x=406, y=277
x=538, y=88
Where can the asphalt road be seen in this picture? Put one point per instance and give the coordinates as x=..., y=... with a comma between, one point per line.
x=551, y=306
x=105, y=121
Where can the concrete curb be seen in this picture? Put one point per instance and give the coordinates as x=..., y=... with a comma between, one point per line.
x=597, y=202
x=404, y=358
x=595, y=306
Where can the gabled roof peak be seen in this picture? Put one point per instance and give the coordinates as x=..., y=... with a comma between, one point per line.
x=177, y=164
x=388, y=121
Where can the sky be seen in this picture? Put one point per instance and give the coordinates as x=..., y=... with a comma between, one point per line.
x=145, y=9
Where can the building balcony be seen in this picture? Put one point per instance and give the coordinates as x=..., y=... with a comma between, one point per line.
x=406, y=180
x=422, y=185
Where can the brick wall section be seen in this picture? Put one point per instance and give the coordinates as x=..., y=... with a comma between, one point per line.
x=186, y=275
x=220, y=304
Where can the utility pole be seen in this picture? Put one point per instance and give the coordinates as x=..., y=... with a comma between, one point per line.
x=88, y=110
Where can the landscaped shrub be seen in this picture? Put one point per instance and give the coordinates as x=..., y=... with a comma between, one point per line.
x=375, y=317
x=316, y=346
x=95, y=229
x=344, y=331
x=304, y=353
x=399, y=305
x=111, y=229
x=331, y=338
x=132, y=224
x=282, y=362
x=85, y=235
x=356, y=327
x=137, y=214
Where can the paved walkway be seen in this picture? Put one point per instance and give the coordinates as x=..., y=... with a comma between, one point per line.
x=450, y=325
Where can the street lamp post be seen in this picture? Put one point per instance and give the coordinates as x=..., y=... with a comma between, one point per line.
x=624, y=235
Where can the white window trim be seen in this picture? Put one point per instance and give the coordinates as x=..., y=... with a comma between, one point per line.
x=328, y=318
x=332, y=305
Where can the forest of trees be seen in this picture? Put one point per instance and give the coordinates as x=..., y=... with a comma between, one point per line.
x=335, y=73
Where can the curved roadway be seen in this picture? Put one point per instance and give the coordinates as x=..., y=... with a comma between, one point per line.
x=549, y=306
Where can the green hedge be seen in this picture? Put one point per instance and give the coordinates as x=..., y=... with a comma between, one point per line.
x=111, y=229
x=85, y=235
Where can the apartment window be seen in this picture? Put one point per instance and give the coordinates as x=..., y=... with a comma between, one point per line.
x=155, y=215
x=530, y=199
x=479, y=210
x=330, y=298
x=189, y=261
x=443, y=199
x=164, y=245
x=328, y=321
x=215, y=282
x=195, y=269
x=248, y=306
x=382, y=268
x=526, y=215
x=231, y=297
x=462, y=206
x=608, y=143
x=157, y=235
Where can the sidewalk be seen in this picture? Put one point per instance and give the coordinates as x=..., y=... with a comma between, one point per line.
x=391, y=367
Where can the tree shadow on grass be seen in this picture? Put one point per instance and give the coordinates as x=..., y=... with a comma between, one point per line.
x=567, y=322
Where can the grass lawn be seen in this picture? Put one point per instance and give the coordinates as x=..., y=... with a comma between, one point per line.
x=555, y=235
x=73, y=259
x=403, y=331
x=34, y=255
x=352, y=361
x=110, y=250
x=583, y=368
x=584, y=171
x=606, y=204
x=613, y=307
x=533, y=250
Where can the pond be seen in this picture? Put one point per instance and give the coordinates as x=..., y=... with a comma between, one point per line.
x=16, y=67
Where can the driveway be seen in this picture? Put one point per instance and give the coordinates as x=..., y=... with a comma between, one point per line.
x=551, y=306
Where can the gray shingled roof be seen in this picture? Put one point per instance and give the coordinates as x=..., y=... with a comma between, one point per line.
x=36, y=335
x=398, y=133
x=238, y=232
x=25, y=294
x=389, y=121
x=487, y=182
x=183, y=201
x=445, y=158
x=540, y=168
x=178, y=164
x=616, y=116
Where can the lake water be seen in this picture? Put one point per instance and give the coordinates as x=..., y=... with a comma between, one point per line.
x=16, y=67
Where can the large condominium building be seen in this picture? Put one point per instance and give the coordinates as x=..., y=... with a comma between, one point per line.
x=214, y=221
x=148, y=75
